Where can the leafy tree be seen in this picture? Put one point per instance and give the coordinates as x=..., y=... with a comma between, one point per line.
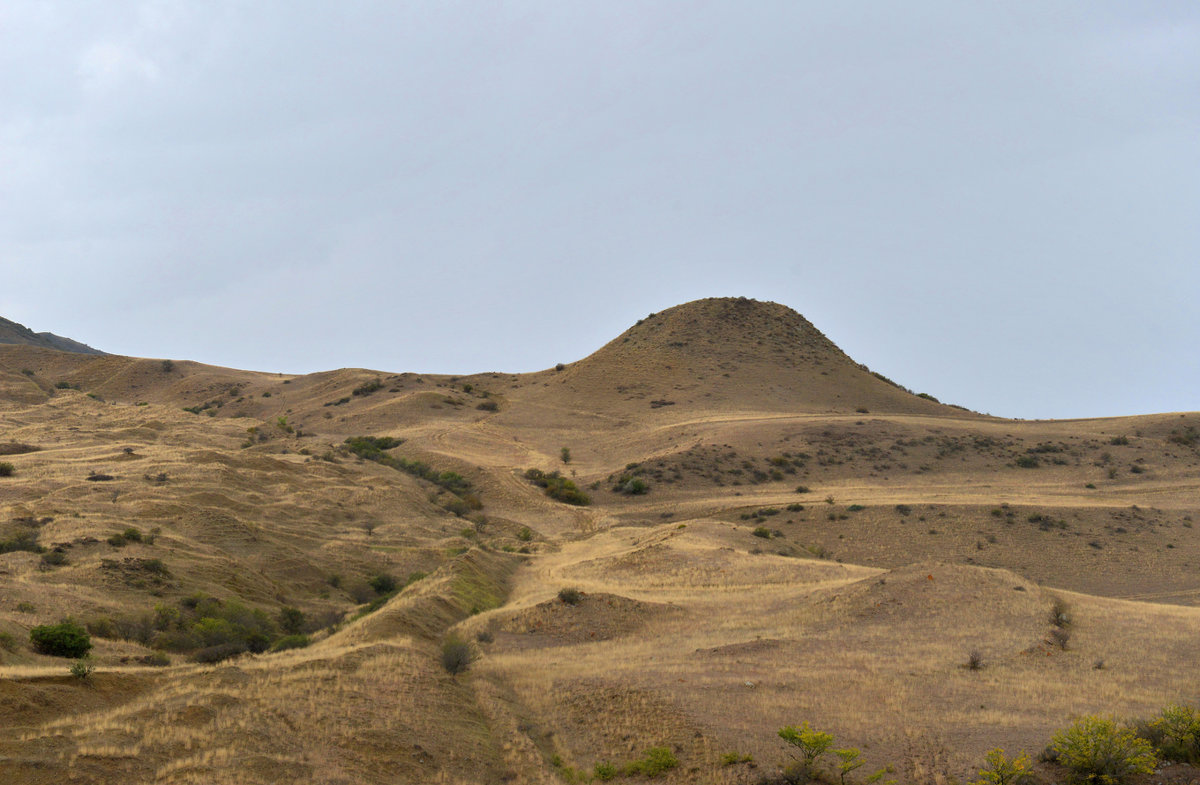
x=810, y=744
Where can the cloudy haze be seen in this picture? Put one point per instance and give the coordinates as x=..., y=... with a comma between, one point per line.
x=996, y=203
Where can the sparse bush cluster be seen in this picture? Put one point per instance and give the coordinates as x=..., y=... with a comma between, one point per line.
x=558, y=487
x=372, y=448
x=1094, y=749
x=208, y=628
x=375, y=385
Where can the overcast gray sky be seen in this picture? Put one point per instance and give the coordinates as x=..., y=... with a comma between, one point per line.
x=994, y=202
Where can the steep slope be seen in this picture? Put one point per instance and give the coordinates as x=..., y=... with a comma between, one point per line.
x=13, y=333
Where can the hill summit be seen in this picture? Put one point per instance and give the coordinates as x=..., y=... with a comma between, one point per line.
x=13, y=333
x=735, y=353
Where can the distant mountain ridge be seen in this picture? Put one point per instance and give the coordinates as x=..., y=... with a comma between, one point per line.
x=13, y=333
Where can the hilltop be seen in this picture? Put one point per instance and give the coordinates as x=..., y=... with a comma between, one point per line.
x=13, y=333
x=772, y=534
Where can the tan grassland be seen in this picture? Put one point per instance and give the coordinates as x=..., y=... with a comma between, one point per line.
x=717, y=607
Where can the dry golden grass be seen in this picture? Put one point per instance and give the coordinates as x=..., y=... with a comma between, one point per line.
x=694, y=631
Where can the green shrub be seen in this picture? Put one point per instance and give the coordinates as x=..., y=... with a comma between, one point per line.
x=1000, y=770
x=656, y=761
x=1097, y=750
x=558, y=487
x=762, y=531
x=525, y=534
x=565, y=454
x=456, y=655
x=1178, y=730
x=82, y=668
x=631, y=486
x=1027, y=462
x=65, y=639
x=369, y=387
x=382, y=583
x=7, y=469
x=604, y=771
x=8, y=641
x=570, y=596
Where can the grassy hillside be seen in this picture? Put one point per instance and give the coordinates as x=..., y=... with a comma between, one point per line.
x=760, y=533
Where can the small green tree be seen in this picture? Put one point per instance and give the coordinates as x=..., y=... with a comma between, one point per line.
x=565, y=454
x=810, y=744
x=1000, y=770
x=1098, y=750
x=849, y=759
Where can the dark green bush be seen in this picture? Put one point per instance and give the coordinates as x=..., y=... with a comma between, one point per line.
x=369, y=387
x=382, y=583
x=291, y=620
x=570, y=596
x=762, y=531
x=22, y=541
x=7, y=469
x=65, y=639
x=456, y=655
x=631, y=486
